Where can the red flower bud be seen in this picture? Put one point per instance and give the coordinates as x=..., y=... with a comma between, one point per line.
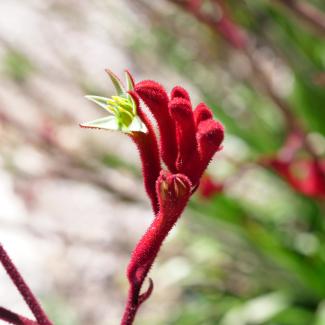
x=209, y=187
x=210, y=135
x=202, y=113
x=180, y=92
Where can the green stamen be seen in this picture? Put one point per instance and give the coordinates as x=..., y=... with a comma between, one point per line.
x=122, y=107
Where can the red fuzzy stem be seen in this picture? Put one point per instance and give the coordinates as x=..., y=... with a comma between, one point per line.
x=149, y=154
x=156, y=98
x=231, y=32
x=188, y=160
x=13, y=318
x=173, y=193
x=134, y=302
x=220, y=22
x=23, y=288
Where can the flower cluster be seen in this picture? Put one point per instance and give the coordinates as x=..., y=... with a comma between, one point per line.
x=188, y=139
x=210, y=187
x=305, y=175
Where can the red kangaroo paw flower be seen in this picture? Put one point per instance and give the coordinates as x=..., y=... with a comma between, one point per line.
x=149, y=154
x=187, y=143
x=314, y=183
x=180, y=92
x=156, y=98
x=173, y=193
x=304, y=176
x=210, y=135
x=23, y=288
x=201, y=113
x=13, y=318
x=188, y=160
x=283, y=169
x=317, y=178
x=209, y=187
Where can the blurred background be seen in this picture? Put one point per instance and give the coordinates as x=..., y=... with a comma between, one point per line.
x=250, y=248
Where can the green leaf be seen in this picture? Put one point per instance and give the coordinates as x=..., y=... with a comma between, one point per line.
x=17, y=66
x=309, y=101
x=250, y=311
x=293, y=316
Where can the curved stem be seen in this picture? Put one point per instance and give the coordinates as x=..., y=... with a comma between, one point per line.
x=13, y=318
x=132, y=306
x=23, y=288
x=141, y=261
x=173, y=193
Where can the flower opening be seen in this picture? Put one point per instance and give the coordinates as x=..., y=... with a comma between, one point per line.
x=122, y=108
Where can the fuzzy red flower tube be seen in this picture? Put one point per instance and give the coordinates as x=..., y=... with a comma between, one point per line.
x=187, y=142
x=156, y=98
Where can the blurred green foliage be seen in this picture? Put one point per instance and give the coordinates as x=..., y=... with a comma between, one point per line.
x=17, y=66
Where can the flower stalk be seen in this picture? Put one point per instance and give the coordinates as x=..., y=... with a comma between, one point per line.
x=13, y=318
x=173, y=192
x=25, y=292
x=187, y=142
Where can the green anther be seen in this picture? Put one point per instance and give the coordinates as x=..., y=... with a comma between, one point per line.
x=112, y=109
x=112, y=102
x=127, y=115
x=120, y=99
